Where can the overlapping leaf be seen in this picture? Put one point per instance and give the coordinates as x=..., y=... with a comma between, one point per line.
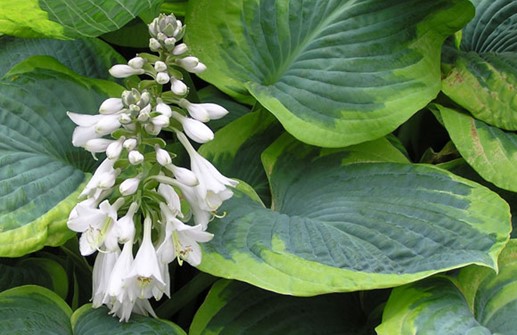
x=347, y=220
x=88, y=321
x=40, y=171
x=335, y=72
x=491, y=151
x=88, y=57
x=483, y=77
x=237, y=308
x=64, y=19
x=478, y=301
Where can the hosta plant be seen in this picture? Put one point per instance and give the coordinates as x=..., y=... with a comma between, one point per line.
x=258, y=167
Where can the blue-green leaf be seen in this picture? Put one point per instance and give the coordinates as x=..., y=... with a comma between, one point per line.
x=335, y=72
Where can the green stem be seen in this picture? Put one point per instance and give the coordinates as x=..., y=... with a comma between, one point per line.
x=185, y=295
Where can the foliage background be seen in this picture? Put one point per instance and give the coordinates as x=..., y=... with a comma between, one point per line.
x=375, y=141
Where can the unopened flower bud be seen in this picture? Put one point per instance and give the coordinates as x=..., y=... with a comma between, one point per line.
x=97, y=145
x=188, y=62
x=107, y=124
x=196, y=130
x=162, y=156
x=114, y=149
x=160, y=66
x=161, y=121
x=179, y=49
x=178, y=87
x=154, y=45
x=184, y=176
x=163, y=109
x=111, y=106
x=130, y=144
x=124, y=71
x=162, y=78
x=197, y=111
x=135, y=157
x=136, y=63
x=124, y=118
x=129, y=186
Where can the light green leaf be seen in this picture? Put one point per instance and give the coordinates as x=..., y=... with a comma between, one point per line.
x=233, y=307
x=28, y=310
x=492, y=152
x=483, y=76
x=337, y=224
x=334, y=73
x=477, y=301
x=41, y=173
x=88, y=57
x=64, y=19
x=88, y=321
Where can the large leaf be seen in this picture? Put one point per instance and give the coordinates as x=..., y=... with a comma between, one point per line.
x=478, y=301
x=40, y=271
x=237, y=148
x=484, y=74
x=334, y=72
x=238, y=308
x=41, y=173
x=88, y=57
x=28, y=310
x=68, y=19
x=491, y=151
x=88, y=321
x=344, y=221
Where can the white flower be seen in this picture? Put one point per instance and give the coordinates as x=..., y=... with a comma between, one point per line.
x=160, y=66
x=194, y=129
x=179, y=49
x=171, y=198
x=125, y=226
x=129, y=186
x=154, y=44
x=162, y=78
x=97, y=145
x=183, y=175
x=111, y=106
x=198, y=207
x=161, y=121
x=114, y=150
x=103, y=176
x=102, y=269
x=135, y=157
x=116, y=295
x=124, y=71
x=94, y=224
x=213, y=186
x=162, y=156
x=203, y=112
x=145, y=279
x=136, y=62
x=130, y=144
x=191, y=64
x=178, y=87
x=181, y=240
x=163, y=109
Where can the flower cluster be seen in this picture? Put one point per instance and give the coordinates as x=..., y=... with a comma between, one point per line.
x=133, y=201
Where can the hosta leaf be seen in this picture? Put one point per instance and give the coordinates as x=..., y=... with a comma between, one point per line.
x=40, y=271
x=64, y=19
x=237, y=308
x=334, y=72
x=88, y=321
x=491, y=151
x=339, y=223
x=41, y=173
x=477, y=301
x=28, y=310
x=484, y=74
x=88, y=57
x=237, y=148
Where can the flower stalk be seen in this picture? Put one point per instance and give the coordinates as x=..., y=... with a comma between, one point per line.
x=130, y=211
